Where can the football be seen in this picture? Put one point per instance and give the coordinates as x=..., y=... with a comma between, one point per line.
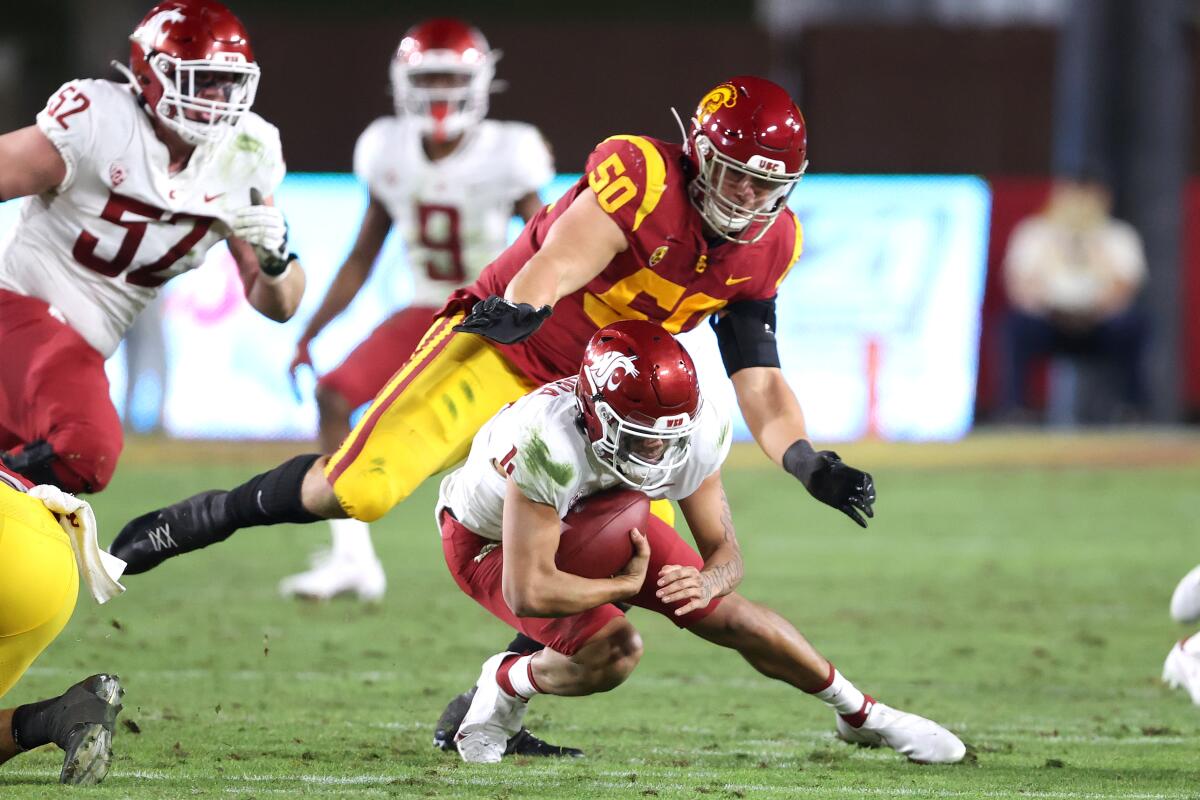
x=595, y=534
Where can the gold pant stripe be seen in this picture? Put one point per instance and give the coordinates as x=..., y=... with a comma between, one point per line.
x=437, y=333
x=423, y=422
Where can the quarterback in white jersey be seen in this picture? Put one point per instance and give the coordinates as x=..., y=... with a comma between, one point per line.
x=633, y=417
x=537, y=440
x=127, y=186
x=448, y=181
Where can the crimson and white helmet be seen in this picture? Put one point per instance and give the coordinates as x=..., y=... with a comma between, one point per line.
x=640, y=402
x=442, y=76
x=748, y=143
x=191, y=60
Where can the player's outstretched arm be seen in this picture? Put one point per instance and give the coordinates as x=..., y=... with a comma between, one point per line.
x=578, y=246
x=533, y=585
x=711, y=521
x=29, y=163
x=774, y=417
x=271, y=274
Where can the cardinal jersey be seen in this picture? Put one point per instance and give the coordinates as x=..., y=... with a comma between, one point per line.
x=537, y=440
x=669, y=273
x=452, y=213
x=98, y=246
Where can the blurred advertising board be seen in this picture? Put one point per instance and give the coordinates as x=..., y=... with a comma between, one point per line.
x=878, y=322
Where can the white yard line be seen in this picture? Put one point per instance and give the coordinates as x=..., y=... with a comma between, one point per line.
x=529, y=780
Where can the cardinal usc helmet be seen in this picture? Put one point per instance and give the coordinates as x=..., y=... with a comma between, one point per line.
x=748, y=143
x=639, y=400
x=442, y=75
x=191, y=61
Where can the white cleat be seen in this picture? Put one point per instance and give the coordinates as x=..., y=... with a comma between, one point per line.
x=493, y=718
x=922, y=740
x=1185, y=602
x=334, y=575
x=1182, y=667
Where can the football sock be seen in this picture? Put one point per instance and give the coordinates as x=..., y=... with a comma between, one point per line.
x=270, y=498
x=352, y=539
x=515, y=677
x=844, y=697
x=52, y=720
x=523, y=644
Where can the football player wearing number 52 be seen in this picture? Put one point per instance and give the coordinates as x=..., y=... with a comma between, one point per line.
x=448, y=181
x=125, y=187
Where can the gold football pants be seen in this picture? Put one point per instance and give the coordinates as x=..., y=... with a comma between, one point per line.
x=423, y=421
x=38, y=582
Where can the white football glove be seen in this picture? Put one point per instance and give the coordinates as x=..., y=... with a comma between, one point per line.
x=264, y=229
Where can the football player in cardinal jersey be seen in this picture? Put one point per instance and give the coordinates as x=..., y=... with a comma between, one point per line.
x=449, y=181
x=127, y=186
x=633, y=416
x=47, y=540
x=673, y=233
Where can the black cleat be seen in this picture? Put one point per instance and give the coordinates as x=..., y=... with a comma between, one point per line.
x=188, y=525
x=523, y=744
x=526, y=744
x=452, y=717
x=86, y=715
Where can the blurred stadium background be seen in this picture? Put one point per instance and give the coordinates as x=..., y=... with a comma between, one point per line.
x=935, y=125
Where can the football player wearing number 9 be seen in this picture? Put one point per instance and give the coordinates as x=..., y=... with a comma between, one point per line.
x=632, y=417
x=448, y=181
x=127, y=186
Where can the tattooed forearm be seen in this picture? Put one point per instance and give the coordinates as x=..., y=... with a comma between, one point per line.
x=727, y=519
x=724, y=571
x=721, y=579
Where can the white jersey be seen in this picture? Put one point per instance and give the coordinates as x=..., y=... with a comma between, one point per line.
x=538, y=441
x=452, y=213
x=98, y=246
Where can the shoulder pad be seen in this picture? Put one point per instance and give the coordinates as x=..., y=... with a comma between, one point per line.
x=628, y=175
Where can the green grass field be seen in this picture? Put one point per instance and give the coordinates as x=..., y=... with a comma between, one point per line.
x=1010, y=588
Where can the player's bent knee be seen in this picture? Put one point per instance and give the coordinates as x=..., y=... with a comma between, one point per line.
x=622, y=657
x=84, y=459
x=367, y=506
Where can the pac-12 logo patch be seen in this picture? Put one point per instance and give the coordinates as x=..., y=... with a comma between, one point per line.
x=724, y=95
x=608, y=370
x=116, y=173
x=658, y=255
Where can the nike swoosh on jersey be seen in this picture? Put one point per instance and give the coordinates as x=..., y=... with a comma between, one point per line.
x=209, y=198
x=732, y=281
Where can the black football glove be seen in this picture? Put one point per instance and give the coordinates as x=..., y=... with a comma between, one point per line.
x=502, y=321
x=847, y=489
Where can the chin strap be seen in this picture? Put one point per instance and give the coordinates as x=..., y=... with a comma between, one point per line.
x=687, y=140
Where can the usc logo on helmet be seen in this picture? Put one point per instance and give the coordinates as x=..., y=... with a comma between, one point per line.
x=724, y=95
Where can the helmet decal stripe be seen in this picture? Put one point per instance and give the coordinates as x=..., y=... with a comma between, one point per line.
x=656, y=176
